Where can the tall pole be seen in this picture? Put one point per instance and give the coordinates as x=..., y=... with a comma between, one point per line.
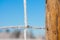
x=25, y=20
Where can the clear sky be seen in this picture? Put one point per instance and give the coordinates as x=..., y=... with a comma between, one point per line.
x=12, y=12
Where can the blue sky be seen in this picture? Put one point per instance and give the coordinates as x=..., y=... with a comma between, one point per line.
x=12, y=12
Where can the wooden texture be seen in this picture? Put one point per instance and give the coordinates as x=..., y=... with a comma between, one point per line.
x=52, y=20
x=58, y=19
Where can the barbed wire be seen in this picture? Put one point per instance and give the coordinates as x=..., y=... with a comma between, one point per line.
x=19, y=27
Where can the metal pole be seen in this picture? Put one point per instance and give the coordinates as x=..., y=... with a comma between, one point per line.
x=25, y=20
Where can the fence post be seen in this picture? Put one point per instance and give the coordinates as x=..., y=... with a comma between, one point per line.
x=51, y=20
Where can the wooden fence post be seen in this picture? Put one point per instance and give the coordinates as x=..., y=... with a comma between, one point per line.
x=52, y=20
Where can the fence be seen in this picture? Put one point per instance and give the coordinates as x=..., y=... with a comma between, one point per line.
x=18, y=27
x=25, y=21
